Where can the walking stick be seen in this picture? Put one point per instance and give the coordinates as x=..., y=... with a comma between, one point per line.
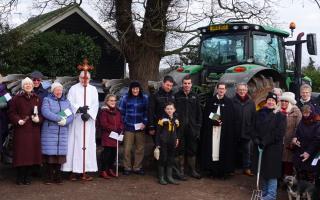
x=85, y=67
x=117, y=161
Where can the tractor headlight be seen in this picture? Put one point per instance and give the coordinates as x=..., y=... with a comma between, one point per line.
x=245, y=27
x=235, y=27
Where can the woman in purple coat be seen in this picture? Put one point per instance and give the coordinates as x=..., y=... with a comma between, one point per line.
x=56, y=109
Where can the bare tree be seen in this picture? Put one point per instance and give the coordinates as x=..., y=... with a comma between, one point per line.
x=317, y=2
x=148, y=30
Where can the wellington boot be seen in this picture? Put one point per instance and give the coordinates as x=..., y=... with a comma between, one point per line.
x=169, y=177
x=162, y=181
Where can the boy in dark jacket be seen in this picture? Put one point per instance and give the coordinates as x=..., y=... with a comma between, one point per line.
x=167, y=141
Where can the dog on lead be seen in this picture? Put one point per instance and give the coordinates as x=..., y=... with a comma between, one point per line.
x=300, y=189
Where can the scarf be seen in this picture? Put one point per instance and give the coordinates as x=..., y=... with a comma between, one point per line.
x=242, y=99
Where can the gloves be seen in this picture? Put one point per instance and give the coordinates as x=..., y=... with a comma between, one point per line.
x=258, y=142
x=260, y=145
x=21, y=122
x=85, y=117
x=62, y=122
x=35, y=118
x=83, y=109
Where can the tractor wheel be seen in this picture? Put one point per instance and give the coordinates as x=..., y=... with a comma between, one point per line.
x=259, y=86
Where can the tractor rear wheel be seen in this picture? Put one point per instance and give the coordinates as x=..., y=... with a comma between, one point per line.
x=259, y=86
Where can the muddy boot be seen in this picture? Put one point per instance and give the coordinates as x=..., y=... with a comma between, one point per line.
x=181, y=164
x=169, y=176
x=176, y=172
x=192, y=164
x=162, y=181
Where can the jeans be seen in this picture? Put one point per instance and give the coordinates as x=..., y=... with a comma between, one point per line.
x=269, y=189
x=246, y=153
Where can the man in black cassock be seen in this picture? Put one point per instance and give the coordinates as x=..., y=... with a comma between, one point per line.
x=217, y=136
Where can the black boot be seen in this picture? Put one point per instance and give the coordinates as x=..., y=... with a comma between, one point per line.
x=26, y=176
x=181, y=164
x=192, y=164
x=176, y=172
x=48, y=177
x=162, y=181
x=57, y=174
x=169, y=176
x=19, y=179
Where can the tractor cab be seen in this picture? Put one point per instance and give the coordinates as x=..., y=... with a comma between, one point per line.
x=239, y=43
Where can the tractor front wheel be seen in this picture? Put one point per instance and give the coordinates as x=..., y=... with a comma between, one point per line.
x=259, y=86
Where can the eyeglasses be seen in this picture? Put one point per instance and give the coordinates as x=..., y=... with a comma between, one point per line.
x=284, y=101
x=36, y=80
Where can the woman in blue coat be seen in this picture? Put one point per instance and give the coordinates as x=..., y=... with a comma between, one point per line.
x=57, y=112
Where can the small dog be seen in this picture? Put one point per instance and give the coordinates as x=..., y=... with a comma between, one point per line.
x=300, y=189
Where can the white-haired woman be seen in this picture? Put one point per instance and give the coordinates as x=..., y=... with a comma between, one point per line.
x=25, y=115
x=56, y=109
x=288, y=107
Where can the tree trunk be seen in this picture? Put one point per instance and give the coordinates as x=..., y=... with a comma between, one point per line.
x=145, y=67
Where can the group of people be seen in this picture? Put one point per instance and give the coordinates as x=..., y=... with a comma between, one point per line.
x=285, y=132
x=49, y=130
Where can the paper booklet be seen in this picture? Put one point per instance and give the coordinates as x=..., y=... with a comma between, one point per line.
x=5, y=98
x=65, y=113
x=116, y=136
x=137, y=126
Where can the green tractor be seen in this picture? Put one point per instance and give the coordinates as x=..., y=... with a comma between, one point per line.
x=236, y=52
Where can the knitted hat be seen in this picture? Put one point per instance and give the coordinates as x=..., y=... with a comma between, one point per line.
x=272, y=96
x=55, y=85
x=288, y=96
x=134, y=84
x=25, y=81
x=36, y=74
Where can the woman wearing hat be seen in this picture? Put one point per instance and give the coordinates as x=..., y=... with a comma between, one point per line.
x=288, y=108
x=24, y=114
x=306, y=144
x=133, y=107
x=269, y=130
x=56, y=109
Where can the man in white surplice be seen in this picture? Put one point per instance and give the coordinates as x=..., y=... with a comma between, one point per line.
x=83, y=114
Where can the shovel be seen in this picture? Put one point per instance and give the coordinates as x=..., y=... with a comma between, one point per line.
x=257, y=193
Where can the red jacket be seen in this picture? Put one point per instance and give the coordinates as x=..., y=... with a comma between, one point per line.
x=109, y=119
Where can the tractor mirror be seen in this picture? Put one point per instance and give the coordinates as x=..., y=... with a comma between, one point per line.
x=312, y=43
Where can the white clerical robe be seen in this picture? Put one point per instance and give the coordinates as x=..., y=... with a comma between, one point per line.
x=216, y=134
x=75, y=133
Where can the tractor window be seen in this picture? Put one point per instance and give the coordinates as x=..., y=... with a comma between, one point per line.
x=266, y=50
x=223, y=50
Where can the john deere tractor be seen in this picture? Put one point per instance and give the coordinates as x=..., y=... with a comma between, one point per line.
x=236, y=52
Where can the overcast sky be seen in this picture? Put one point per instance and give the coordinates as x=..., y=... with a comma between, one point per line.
x=304, y=13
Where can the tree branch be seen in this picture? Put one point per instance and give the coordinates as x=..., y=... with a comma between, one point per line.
x=178, y=50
